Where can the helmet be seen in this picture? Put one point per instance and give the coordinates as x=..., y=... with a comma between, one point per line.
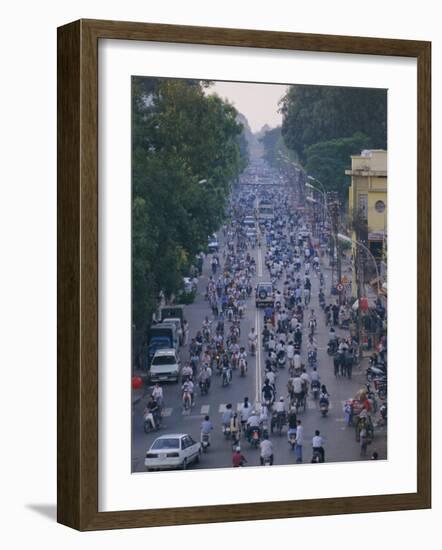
x=281, y=398
x=238, y=449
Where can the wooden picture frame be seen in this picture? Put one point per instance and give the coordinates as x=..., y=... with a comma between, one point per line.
x=78, y=273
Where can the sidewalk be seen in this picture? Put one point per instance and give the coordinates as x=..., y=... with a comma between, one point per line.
x=140, y=393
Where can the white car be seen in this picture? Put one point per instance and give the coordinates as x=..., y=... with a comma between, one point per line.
x=165, y=366
x=172, y=451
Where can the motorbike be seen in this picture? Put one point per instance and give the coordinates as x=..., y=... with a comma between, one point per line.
x=376, y=371
x=226, y=376
x=281, y=359
x=331, y=346
x=372, y=398
x=242, y=367
x=311, y=357
x=227, y=431
x=278, y=422
x=324, y=406
x=204, y=387
x=254, y=437
x=266, y=461
x=150, y=423
x=187, y=401
x=316, y=457
x=381, y=387
x=252, y=347
x=315, y=386
x=292, y=439
x=205, y=442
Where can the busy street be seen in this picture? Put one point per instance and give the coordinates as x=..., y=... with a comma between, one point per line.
x=269, y=371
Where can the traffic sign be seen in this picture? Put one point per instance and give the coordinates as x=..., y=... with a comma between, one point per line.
x=344, y=280
x=339, y=287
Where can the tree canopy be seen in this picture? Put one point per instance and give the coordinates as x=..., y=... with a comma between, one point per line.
x=187, y=148
x=327, y=160
x=334, y=119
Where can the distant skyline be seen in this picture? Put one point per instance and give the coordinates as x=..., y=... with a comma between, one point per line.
x=257, y=102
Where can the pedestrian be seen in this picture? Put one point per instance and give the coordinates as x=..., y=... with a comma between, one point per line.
x=299, y=442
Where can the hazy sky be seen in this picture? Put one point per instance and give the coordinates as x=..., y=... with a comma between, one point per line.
x=257, y=102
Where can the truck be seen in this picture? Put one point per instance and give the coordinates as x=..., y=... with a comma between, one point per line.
x=161, y=336
x=171, y=312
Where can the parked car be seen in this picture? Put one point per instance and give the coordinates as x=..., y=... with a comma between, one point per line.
x=165, y=366
x=172, y=451
x=213, y=244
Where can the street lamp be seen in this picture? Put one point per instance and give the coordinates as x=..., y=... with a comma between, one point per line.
x=362, y=245
x=202, y=182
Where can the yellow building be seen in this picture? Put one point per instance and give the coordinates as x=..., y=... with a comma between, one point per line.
x=367, y=203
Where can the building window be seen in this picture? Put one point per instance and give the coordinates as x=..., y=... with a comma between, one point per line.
x=363, y=205
x=380, y=206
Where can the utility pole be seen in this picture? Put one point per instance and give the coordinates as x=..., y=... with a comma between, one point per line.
x=334, y=213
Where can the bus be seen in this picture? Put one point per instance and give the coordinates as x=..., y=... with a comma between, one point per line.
x=265, y=211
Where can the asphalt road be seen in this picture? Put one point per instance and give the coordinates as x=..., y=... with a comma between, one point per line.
x=340, y=443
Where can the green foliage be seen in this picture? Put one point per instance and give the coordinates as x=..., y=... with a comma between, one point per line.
x=181, y=136
x=312, y=114
x=328, y=160
x=275, y=149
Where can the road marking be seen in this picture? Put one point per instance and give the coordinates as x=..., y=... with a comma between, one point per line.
x=238, y=407
x=167, y=412
x=222, y=408
x=258, y=357
x=259, y=262
x=205, y=409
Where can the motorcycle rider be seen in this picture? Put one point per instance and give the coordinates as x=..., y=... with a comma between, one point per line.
x=186, y=372
x=252, y=340
x=253, y=423
x=324, y=398
x=157, y=394
x=153, y=408
x=245, y=412
x=280, y=411
x=188, y=387
x=206, y=428
x=314, y=375
x=227, y=416
x=238, y=459
x=235, y=429
x=318, y=445
x=205, y=376
x=305, y=381
x=268, y=394
x=266, y=448
x=242, y=356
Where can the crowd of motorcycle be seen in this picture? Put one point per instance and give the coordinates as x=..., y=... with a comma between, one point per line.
x=288, y=336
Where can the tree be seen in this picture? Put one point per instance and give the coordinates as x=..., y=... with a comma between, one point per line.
x=328, y=160
x=181, y=136
x=313, y=114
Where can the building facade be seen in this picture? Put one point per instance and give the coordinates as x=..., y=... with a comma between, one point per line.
x=367, y=203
